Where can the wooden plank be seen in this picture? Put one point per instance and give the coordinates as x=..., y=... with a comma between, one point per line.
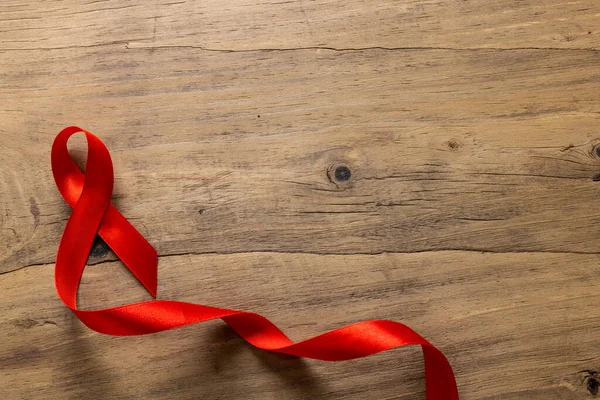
x=514, y=326
x=273, y=24
x=221, y=153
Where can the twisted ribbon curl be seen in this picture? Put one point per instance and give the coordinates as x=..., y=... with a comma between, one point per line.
x=89, y=195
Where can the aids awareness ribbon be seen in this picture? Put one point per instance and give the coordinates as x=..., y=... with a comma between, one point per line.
x=89, y=196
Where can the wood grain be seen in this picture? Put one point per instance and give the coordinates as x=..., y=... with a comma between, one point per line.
x=273, y=24
x=469, y=130
x=486, y=150
x=512, y=324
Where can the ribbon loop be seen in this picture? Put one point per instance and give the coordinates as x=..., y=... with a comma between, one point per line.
x=127, y=243
x=89, y=195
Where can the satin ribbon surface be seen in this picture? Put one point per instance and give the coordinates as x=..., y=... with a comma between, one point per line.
x=89, y=196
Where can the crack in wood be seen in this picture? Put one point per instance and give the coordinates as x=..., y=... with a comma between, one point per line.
x=127, y=44
x=316, y=253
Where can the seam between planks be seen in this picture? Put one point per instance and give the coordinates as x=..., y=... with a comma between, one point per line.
x=127, y=45
x=374, y=254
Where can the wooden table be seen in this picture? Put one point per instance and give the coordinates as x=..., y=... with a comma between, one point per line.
x=465, y=139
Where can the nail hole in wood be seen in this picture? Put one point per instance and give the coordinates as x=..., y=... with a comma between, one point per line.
x=342, y=173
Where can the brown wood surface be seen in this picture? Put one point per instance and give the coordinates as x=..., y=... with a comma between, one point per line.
x=471, y=132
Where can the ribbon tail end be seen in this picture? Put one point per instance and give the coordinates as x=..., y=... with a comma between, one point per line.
x=146, y=272
x=152, y=290
x=150, y=280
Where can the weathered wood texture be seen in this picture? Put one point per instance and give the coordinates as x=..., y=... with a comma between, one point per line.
x=274, y=24
x=470, y=130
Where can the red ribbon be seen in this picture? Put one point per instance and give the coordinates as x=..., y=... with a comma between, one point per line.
x=89, y=195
